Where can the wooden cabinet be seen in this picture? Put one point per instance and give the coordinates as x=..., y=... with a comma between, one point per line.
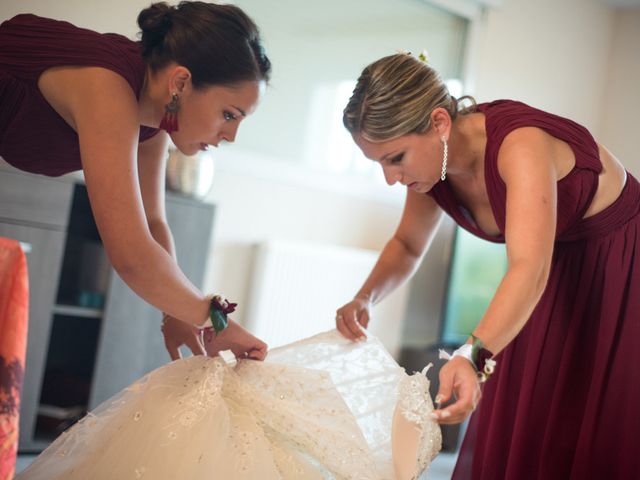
x=78, y=353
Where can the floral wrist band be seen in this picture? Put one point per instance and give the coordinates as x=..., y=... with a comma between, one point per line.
x=477, y=355
x=219, y=308
x=482, y=359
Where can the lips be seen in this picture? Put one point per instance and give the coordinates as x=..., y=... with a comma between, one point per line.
x=204, y=147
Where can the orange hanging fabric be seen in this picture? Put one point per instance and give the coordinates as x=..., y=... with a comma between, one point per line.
x=14, y=315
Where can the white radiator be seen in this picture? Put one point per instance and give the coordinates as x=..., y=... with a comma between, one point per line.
x=296, y=289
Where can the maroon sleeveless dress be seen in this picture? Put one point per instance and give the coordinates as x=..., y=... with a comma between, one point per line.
x=33, y=137
x=564, y=402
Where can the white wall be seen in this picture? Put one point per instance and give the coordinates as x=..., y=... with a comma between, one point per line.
x=551, y=54
x=619, y=125
x=254, y=209
x=118, y=16
x=576, y=58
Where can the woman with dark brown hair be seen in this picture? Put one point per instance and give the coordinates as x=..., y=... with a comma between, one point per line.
x=74, y=99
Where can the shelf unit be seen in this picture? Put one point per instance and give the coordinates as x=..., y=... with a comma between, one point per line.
x=75, y=311
x=77, y=319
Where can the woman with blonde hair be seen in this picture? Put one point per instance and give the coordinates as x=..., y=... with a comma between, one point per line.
x=558, y=338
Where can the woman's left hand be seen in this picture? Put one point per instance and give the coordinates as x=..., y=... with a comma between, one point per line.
x=238, y=340
x=457, y=378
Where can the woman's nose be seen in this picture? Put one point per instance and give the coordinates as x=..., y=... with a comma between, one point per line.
x=390, y=176
x=229, y=133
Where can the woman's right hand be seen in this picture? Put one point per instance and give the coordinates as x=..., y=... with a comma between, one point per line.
x=177, y=333
x=459, y=381
x=353, y=317
x=235, y=338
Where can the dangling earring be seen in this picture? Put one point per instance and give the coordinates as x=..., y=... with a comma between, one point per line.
x=170, y=119
x=443, y=175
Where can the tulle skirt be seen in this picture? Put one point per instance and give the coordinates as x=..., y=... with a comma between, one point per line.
x=319, y=408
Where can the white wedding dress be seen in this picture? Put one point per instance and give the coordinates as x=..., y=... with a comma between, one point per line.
x=320, y=408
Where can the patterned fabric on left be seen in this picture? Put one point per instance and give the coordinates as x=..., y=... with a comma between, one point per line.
x=14, y=314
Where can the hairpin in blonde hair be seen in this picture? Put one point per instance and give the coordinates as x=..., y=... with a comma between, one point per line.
x=424, y=56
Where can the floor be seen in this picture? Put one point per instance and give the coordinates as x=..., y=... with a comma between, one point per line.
x=440, y=468
x=23, y=461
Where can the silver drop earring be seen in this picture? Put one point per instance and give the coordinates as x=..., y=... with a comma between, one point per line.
x=443, y=175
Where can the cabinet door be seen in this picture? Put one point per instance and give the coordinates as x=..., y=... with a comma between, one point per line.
x=191, y=223
x=43, y=261
x=131, y=343
x=33, y=199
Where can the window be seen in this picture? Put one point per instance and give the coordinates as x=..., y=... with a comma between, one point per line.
x=477, y=267
x=318, y=49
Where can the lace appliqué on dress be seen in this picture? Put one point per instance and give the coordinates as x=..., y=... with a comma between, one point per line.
x=415, y=406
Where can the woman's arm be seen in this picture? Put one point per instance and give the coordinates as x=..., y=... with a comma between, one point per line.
x=152, y=155
x=527, y=166
x=152, y=158
x=104, y=112
x=397, y=262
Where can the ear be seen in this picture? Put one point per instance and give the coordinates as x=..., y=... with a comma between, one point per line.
x=441, y=122
x=179, y=79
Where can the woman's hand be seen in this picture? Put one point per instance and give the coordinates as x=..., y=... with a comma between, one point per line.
x=238, y=340
x=177, y=333
x=457, y=377
x=353, y=317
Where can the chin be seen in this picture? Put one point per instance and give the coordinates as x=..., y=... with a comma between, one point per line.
x=188, y=150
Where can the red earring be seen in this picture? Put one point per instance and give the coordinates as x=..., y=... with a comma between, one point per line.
x=170, y=119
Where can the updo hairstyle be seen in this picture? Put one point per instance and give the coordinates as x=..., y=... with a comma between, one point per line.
x=219, y=44
x=395, y=96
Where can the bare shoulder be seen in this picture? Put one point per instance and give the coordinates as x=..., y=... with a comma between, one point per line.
x=526, y=141
x=75, y=91
x=527, y=150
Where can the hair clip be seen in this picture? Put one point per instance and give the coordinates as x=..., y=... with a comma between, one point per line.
x=424, y=56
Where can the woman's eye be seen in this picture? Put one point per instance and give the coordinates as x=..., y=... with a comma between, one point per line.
x=228, y=116
x=396, y=159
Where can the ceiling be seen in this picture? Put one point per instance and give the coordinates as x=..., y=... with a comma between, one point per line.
x=623, y=3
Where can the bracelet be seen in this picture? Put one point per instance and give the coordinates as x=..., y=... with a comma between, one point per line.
x=219, y=308
x=477, y=355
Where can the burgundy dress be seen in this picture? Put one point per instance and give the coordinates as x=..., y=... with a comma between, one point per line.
x=33, y=137
x=564, y=402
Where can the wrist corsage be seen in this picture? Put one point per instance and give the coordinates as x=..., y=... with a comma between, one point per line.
x=219, y=308
x=480, y=358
